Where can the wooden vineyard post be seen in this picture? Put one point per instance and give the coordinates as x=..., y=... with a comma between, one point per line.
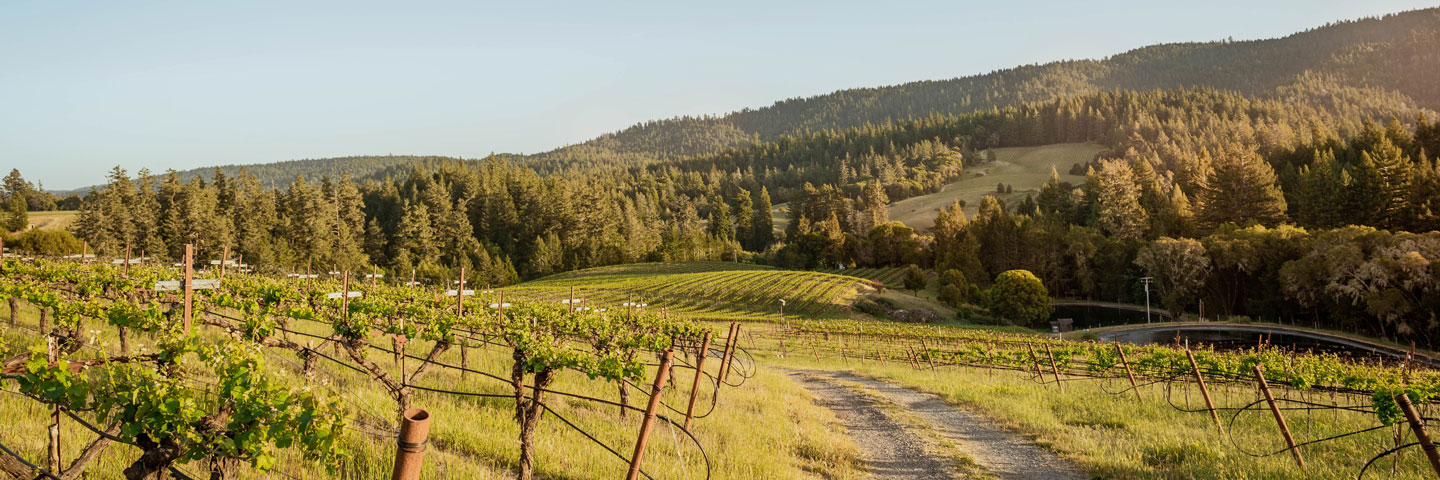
x=699, y=375
x=730, y=340
x=734, y=345
x=84, y=251
x=1279, y=418
x=661, y=376
x=224, y=257
x=1204, y=391
x=1054, y=369
x=411, y=444
x=189, y=280
x=1418, y=425
x=1035, y=360
x=1128, y=374
x=127, y=259
x=345, y=298
x=928, y=358
x=54, y=429
x=460, y=313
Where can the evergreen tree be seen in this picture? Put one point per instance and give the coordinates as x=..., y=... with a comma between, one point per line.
x=744, y=218
x=1055, y=197
x=955, y=246
x=1117, y=201
x=547, y=257
x=1387, y=172
x=873, y=206
x=1240, y=188
x=763, y=233
x=16, y=216
x=720, y=226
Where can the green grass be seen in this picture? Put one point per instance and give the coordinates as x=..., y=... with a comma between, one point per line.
x=702, y=290
x=56, y=220
x=767, y=428
x=1026, y=168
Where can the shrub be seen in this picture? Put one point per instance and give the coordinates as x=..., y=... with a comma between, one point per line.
x=954, y=290
x=1020, y=297
x=45, y=242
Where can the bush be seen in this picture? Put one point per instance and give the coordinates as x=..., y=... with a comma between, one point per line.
x=953, y=290
x=871, y=308
x=963, y=313
x=1020, y=297
x=44, y=242
x=915, y=279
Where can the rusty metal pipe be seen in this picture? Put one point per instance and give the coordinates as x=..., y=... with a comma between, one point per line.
x=411, y=445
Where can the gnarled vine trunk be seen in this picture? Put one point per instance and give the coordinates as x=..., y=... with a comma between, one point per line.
x=624, y=398
x=528, y=412
x=155, y=462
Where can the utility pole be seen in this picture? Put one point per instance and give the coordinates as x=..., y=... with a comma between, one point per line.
x=1147, y=297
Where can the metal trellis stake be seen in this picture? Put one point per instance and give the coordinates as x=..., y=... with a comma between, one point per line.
x=699, y=375
x=661, y=376
x=411, y=444
x=1128, y=374
x=1054, y=369
x=1279, y=418
x=1204, y=391
x=1418, y=425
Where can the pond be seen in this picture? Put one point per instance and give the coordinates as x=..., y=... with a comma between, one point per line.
x=1095, y=316
x=1239, y=337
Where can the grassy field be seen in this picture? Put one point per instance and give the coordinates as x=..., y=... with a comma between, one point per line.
x=57, y=220
x=703, y=290
x=769, y=427
x=1026, y=168
x=1108, y=432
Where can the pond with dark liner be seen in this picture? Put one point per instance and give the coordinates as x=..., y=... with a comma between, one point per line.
x=1221, y=336
x=1237, y=337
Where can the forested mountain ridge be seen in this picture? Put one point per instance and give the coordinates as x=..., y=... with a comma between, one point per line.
x=1398, y=52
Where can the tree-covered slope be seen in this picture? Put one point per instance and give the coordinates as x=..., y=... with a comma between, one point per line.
x=1399, y=52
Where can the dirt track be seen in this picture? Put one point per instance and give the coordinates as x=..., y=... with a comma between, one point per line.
x=897, y=429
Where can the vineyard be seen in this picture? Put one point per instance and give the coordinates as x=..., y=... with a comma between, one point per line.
x=891, y=277
x=1153, y=411
x=148, y=371
x=151, y=372
x=704, y=290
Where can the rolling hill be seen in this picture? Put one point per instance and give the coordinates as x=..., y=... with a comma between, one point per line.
x=703, y=290
x=1024, y=169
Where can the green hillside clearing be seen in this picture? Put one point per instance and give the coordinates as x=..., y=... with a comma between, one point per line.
x=1024, y=168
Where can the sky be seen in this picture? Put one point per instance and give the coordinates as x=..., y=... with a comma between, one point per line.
x=87, y=86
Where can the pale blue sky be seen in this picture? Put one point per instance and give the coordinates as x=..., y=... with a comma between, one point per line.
x=85, y=86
